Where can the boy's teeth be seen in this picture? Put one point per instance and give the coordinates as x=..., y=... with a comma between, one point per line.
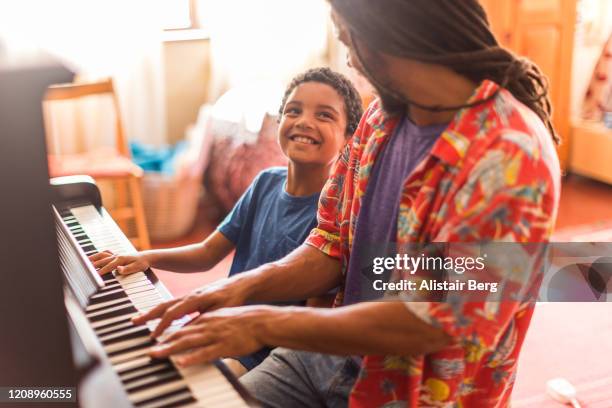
x=303, y=140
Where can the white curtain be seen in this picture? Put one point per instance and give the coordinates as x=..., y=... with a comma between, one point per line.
x=269, y=40
x=100, y=38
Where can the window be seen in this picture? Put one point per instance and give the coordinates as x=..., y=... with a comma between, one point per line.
x=180, y=14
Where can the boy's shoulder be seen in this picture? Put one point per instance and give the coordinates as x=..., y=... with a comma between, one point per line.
x=274, y=172
x=270, y=177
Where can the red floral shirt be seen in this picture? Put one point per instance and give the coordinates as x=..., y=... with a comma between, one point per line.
x=492, y=175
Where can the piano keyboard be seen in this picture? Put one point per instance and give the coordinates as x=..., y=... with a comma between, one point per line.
x=148, y=382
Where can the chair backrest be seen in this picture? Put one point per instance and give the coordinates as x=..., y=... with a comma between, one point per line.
x=76, y=90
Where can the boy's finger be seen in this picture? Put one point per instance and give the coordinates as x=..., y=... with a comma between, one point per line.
x=103, y=262
x=129, y=269
x=110, y=267
x=100, y=255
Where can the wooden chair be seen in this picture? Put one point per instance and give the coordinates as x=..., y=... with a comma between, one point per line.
x=114, y=164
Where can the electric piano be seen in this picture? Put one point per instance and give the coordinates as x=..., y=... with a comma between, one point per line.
x=100, y=309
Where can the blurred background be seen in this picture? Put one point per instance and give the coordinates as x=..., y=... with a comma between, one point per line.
x=196, y=86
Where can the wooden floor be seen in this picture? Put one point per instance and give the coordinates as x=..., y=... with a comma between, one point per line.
x=584, y=201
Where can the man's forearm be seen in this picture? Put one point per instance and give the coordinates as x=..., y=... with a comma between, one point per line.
x=381, y=328
x=306, y=272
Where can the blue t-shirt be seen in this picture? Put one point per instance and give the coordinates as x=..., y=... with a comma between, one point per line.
x=266, y=224
x=376, y=227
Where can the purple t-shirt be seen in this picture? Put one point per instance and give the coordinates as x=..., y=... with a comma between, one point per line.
x=376, y=227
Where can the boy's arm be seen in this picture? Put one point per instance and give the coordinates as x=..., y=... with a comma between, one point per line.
x=190, y=258
x=198, y=257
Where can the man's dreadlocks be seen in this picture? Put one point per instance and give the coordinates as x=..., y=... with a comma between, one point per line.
x=452, y=33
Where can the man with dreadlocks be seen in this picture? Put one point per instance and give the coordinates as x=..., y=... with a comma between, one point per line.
x=459, y=147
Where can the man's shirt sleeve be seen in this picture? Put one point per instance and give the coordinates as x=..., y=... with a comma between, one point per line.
x=508, y=196
x=326, y=236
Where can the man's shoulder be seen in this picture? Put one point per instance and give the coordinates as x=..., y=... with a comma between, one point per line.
x=513, y=131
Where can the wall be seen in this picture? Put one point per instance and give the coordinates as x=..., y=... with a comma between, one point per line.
x=187, y=75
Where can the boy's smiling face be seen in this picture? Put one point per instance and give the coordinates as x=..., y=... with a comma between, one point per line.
x=313, y=126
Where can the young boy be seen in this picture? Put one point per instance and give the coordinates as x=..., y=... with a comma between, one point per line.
x=319, y=112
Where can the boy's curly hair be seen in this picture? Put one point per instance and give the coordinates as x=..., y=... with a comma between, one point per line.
x=342, y=85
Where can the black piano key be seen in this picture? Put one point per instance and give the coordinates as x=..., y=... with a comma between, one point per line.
x=89, y=248
x=154, y=380
x=108, y=277
x=109, y=287
x=143, y=332
x=124, y=302
x=108, y=297
x=116, y=313
x=183, y=391
x=113, y=327
x=146, y=345
x=153, y=364
x=181, y=402
x=145, y=361
x=159, y=370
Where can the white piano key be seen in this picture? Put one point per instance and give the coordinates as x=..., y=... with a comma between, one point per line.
x=143, y=295
x=152, y=297
x=137, y=362
x=131, y=278
x=144, y=307
x=170, y=400
x=201, y=377
x=145, y=370
x=122, y=358
x=101, y=323
x=150, y=379
x=102, y=305
x=140, y=289
x=111, y=286
x=122, y=333
x=139, y=284
x=114, y=327
x=110, y=310
x=122, y=282
x=100, y=295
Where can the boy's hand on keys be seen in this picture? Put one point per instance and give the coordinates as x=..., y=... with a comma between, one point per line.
x=106, y=262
